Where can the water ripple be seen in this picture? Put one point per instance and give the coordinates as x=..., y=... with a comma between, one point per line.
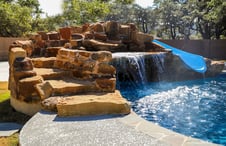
x=194, y=108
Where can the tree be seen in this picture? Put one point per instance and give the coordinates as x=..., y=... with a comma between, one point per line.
x=181, y=17
x=169, y=17
x=35, y=12
x=51, y=23
x=217, y=16
x=80, y=11
x=15, y=20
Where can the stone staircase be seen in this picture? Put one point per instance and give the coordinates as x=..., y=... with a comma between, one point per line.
x=74, y=83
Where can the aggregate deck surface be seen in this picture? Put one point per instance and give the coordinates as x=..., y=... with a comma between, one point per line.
x=48, y=129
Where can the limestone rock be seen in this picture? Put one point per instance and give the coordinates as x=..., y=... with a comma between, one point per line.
x=65, y=33
x=70, y=86
x=76, y=29
x=213, y=67
x=132, y=27
x=85, y=27
x=44, y=35
x=102, y=56
x=75, y=43
x=97, y=27
x=67, y=45
x=88, y=35
x=105, y=68
x=27, y=45
x=24, y=107
x=22, y=64
x=93, y=104
x=53, y=35
x=106, y=85
x=112, y=30
x=88, y=66
x=140, y=39
x=44, y=62
x=125, y=33
x=76, y=40
x=44, y=90
x=100, y=36
x=54, y=43
x=51, y=73
x=95, y=45
x=77, y=36
x=16, y=53
x=86, y=54
x=79, y=74
x=50, y=104
x=26, y=86
x=23, y=74
x=52, y=51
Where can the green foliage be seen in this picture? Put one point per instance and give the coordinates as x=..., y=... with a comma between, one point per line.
x=124, y=2
x=178, y=18
x=50, y=23
x=80, y=11
x=171, y=19
x=15, y=20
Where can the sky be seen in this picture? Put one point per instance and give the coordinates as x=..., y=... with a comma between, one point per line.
x=53, y=7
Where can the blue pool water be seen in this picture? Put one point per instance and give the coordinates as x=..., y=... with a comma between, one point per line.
x=193, y=108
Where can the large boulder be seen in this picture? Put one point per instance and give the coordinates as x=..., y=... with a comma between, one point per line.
x=16, y=52
x=44, y=62
x=214, y=67
x=26, y=88
x=93, y=104
x=27, y=45
x=112, y=30
x=96, y=45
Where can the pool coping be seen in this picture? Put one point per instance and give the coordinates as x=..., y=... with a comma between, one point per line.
x=162, y=134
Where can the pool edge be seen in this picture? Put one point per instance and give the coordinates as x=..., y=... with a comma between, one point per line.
x=160, y=133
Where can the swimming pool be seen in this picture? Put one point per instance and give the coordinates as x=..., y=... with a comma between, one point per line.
x=194, y=108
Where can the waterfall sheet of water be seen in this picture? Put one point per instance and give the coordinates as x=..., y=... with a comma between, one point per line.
x=132, y=66
x=158, y=60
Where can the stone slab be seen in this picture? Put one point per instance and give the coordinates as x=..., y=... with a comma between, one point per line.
x=70, y=86
x=44, y=62
x=7, y=129
x=51, y=73
x=93, y=104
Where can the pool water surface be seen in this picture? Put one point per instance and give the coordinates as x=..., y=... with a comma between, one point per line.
x=193, y=108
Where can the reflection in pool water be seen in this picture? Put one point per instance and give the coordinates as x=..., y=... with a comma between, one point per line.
x=194, y=108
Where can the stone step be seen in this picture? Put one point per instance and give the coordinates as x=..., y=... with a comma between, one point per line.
x=51, y=73
x=71, y=87
x=93, y=104
x=43, y=62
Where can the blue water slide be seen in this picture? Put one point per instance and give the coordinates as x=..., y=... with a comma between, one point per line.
x=193, y=61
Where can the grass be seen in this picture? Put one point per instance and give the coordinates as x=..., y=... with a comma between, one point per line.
x=8, y=114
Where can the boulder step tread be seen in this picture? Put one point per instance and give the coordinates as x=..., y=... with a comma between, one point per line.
x=93, y=104
x=51, y=73
x=71, y=87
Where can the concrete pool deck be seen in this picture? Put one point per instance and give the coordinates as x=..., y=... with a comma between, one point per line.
x=46, y=128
